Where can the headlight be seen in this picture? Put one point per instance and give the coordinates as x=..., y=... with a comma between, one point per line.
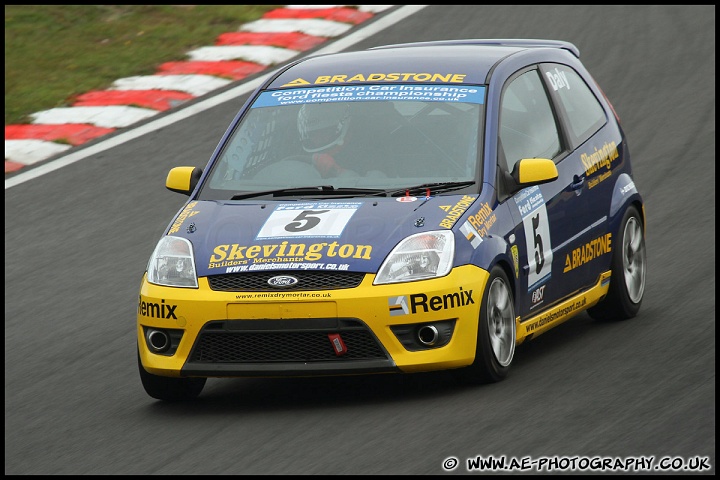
x=418, y=257
x=172, y=263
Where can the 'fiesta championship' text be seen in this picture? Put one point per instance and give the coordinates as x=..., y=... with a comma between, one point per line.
x=358, y=93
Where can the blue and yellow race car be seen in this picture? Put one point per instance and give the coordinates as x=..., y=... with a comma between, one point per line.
x=407, y=208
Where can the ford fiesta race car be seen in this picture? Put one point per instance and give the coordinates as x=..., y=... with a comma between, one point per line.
x=407, y=208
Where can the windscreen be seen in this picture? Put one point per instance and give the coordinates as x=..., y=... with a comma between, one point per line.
x=362, y=136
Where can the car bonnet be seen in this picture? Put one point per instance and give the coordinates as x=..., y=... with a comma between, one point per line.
x=353, y=234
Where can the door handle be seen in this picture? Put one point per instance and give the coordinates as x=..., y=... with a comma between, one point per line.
x=578, y=182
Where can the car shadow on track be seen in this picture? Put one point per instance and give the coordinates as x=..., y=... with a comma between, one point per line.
x=226, y=395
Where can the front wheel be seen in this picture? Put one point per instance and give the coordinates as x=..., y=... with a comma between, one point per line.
x=629, y=266
x=170, y=389
x=496, y=332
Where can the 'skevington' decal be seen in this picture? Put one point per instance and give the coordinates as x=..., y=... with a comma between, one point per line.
x=599, y=160
x=231, y=255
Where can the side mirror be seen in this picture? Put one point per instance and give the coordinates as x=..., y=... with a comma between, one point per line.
x=183, y=179
x=534, y=171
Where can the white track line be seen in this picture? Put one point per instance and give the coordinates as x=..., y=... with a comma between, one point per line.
x=186, y=112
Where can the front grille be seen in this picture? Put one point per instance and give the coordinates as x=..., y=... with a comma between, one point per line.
x=302, y=340
x=257, y=281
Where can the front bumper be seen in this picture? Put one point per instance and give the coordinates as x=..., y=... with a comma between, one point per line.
x=364, y=329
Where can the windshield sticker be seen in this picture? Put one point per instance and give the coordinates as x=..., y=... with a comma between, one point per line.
x=316, y=219
x=382, y=77
x=358, y=93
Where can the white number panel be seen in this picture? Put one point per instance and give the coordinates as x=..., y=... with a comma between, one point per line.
x=308, y=220
x=531, y=204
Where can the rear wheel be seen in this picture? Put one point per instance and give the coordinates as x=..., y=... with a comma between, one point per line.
x=629, y=266
x=170, y=389
x=496, y=332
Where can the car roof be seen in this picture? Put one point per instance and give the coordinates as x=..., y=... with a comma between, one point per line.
x=420, y=62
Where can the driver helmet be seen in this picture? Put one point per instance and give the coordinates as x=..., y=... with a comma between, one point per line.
x=323, y=125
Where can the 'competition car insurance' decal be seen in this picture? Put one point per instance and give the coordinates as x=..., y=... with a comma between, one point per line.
x=316, y=219
x=360, y=93
x=531, y=204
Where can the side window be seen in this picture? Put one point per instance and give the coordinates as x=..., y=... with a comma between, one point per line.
x=581, y=107
x=527, y=124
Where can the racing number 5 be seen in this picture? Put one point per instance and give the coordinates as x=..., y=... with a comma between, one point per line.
x=305, y=221
x=539, y=257
x=539, y=245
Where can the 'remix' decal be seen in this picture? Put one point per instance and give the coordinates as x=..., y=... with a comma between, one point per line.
x=398, y=305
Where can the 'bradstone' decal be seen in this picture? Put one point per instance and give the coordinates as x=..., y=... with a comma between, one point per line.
x=455, y=211
x=186, y=213
x=590, y=251
x=382, y=77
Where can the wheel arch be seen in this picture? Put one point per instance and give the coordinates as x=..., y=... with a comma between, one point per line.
x=624, y=194
x=496, y=251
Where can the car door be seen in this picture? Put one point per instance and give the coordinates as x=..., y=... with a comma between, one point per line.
x=595, y=151
x=549, y=216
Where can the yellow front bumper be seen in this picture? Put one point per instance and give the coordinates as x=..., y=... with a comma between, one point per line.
x=457, y=297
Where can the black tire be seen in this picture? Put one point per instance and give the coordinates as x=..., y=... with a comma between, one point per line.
x=496, y=332
x=170, y=389
x=629, y=268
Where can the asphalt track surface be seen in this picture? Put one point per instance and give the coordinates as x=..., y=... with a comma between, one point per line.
x=77, y=240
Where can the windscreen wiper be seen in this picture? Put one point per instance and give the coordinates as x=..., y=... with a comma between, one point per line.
x=436, y=187
x=312, y=190
x=428, y=188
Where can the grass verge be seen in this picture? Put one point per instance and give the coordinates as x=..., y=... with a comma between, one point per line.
x=55, y=52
